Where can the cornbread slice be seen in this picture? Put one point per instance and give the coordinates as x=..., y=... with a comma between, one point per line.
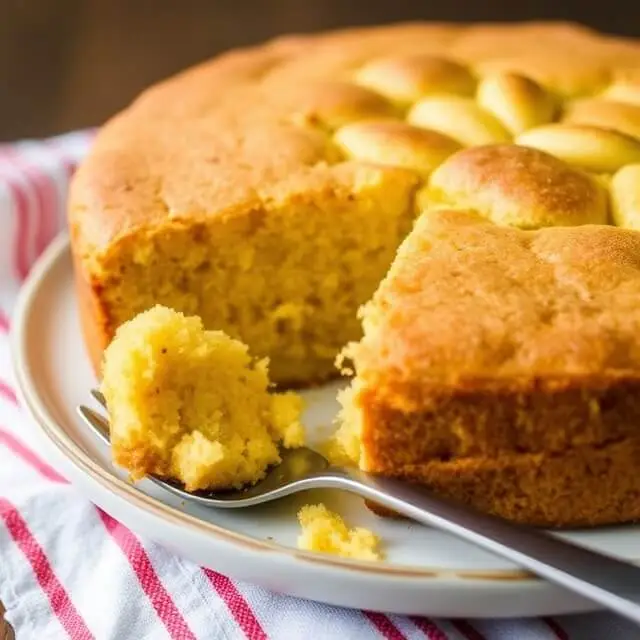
x=501, y=367
x=325, y=531
x=192, y=404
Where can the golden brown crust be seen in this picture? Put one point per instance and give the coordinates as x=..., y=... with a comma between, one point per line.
x=583, y=487
x=469, y=301
x=93, y=323
x=489, y=421
x=518, y=186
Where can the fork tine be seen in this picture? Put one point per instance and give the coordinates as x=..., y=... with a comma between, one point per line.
x=97, y=423
x=97, y=394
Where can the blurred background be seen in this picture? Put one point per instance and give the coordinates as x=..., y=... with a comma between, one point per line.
x=66, y=64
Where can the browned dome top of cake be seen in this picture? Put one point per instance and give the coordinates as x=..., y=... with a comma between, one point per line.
x=312, y=113
x=551, y=303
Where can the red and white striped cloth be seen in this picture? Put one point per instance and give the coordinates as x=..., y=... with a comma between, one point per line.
x=68, y=569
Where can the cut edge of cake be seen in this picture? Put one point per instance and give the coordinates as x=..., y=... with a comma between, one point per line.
x=511, y=427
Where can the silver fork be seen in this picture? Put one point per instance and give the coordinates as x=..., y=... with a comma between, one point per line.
x=610, y=582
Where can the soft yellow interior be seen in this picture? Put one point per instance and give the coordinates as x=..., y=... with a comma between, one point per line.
x=345, y=447
x=286, y=280
x=193, y=404
x=326, y=532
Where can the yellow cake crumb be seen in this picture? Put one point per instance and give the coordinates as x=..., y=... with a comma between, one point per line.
x=343, y=448
x=326, y=532
x=192, y=404
x=346, y=446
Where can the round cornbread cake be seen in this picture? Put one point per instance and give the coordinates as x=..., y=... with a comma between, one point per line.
x=268, y=190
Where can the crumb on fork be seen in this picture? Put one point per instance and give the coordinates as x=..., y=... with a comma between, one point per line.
x=193, y=405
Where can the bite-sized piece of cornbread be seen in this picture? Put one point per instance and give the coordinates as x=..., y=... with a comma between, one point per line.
x=501, y=367
x=625, y=197
x=609, y=114
x=396, y=143
x=326, y=532
x=517, y=186
x=459, y=118
x=517, y=101
x=405, y=79
x=588, y=147
x=193, y=405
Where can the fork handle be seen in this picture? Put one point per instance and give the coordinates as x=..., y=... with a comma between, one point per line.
x=601, y=578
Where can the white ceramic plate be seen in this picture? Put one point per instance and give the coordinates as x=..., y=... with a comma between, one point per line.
x=426, y=572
